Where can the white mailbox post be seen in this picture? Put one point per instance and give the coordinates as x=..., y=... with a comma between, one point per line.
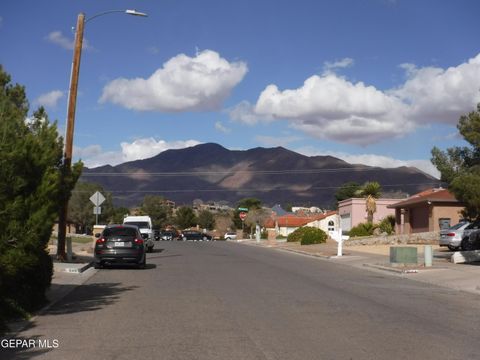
x=339, y=238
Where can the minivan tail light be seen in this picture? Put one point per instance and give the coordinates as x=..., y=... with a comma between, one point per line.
x=139, y=241
x=451, y=234
x=100, y=241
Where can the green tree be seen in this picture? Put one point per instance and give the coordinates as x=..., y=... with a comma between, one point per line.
x=156, y=208
x=185, y=217
x=30, y=163
x=371, y=191
x=206, y=220
x=247, y=203
x=80, y=208
x=460, y=166
x=346, y=191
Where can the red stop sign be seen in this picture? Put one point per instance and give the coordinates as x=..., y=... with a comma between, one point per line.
x=242, y=215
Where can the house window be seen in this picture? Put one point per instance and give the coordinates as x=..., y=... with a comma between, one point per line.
x=331, y=225
x=444, y=223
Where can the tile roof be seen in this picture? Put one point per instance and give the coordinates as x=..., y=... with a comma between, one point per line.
x=296, y=221
x=432, y=195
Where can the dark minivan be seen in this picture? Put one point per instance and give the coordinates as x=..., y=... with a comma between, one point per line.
x=120, y=244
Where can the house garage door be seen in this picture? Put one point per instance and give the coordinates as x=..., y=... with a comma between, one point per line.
x=345, y=222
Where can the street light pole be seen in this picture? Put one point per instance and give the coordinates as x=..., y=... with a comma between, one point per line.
x=72, y=103
x=67, y=156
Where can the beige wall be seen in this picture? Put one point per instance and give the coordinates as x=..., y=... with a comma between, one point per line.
x=445, y=211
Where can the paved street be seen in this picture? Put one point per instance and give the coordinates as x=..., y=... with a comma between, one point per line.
x=220, y=300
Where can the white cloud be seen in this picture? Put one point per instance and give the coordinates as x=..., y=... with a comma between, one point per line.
x=49, y=99
x=332, y=107
x=184, y=83
x=222, y=128
x=437, y=95
x=374, y=160
x=94, y=156
x=57, y=37
x=328, y=66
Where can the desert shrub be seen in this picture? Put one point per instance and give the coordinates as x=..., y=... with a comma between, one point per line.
x=307, y=235
x=387, y=225
x=363, y=229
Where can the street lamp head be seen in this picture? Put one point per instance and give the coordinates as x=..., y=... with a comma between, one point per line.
x=135, y=13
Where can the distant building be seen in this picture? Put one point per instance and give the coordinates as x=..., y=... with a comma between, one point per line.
x=430, y=210
x=286, y=224
x=353, y=212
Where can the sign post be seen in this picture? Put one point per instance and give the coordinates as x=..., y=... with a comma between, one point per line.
x=97, y=199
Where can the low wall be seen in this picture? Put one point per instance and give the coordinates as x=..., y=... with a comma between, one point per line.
x=431, y=238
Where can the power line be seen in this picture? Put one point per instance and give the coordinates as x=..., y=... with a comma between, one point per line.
x=252, y=190
x=231, y=172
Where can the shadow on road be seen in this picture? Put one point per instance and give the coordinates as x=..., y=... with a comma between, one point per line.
x=88, y=297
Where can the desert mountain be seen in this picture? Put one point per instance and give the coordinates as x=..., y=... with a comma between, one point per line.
x=275, y=175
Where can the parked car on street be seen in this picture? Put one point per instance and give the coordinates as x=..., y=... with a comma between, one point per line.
x=452, y=237
x=196, y=235
x=120, y=244
x=230, y=236
x=471, y=237
x=169, y=235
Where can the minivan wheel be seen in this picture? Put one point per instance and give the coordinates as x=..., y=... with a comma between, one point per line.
x=143, y=264
x=466, y=245
x=98, y=265
x=452, y=248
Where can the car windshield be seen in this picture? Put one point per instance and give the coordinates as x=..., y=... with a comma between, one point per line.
x=120, y=232
x=458, y=226
x=140, y=224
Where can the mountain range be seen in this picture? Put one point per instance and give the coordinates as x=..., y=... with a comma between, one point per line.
x=277, y=175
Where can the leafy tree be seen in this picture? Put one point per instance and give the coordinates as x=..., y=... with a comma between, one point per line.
x=156, y=208
x=185, y=217
x=30, y=163
x=80, y=208
x=346, y=191
x=460, y=166
x=206, y=220
x=248, y=203
x=371, y=191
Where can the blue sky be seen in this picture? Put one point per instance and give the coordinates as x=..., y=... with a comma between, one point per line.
x=378, y=82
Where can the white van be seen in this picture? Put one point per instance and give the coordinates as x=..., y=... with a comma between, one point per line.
x=144, y=224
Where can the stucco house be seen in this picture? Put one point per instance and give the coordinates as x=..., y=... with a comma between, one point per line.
x=285, y=225
x=429, y=210
x=353, y=212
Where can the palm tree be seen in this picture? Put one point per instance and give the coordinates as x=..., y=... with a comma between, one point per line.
x=371, y=191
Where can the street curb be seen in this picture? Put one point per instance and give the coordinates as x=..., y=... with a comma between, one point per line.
x=15, y=327
x=78, y=270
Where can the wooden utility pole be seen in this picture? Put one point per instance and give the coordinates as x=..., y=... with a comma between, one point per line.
x=67, y=156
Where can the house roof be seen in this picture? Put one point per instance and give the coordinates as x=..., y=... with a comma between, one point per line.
x=431, y=195
x=296, y=221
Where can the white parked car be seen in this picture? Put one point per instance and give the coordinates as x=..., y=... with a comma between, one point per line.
x=230, y=236
x=452, y=237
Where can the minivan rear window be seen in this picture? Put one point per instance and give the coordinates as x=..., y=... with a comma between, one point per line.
x=140, y=224
x=120, y=232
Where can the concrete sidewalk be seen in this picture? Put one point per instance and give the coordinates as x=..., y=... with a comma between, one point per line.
x=462, y=277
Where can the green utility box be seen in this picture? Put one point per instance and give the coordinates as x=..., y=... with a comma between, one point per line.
x=403, y=255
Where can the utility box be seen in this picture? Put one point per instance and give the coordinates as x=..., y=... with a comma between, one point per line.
x=403, y=255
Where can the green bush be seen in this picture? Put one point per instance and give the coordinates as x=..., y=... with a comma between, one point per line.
x=387, y=225
x=363, y=229
x=307, y=235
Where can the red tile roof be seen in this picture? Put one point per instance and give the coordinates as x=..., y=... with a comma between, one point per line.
x=432, y=195
x=296, y=221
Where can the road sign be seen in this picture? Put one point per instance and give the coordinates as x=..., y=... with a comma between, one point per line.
x=242, y=215
x=243, y=209
x=97, y=210
x=97, y=199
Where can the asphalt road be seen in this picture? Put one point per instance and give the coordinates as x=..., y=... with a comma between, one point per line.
x=218, y=300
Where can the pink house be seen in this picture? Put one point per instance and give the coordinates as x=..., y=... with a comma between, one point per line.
x=352, y=211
